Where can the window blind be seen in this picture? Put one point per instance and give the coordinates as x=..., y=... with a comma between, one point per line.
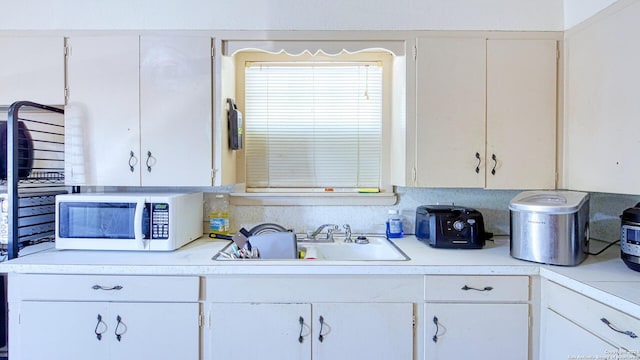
x=313, y=125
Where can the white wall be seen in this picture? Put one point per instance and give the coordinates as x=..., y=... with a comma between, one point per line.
x=283, y=14
x=576, y=11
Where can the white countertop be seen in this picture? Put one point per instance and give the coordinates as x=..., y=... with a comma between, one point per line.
x=196, y=259
x=604, y=277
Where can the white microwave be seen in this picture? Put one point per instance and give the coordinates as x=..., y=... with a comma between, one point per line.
x=128, y=221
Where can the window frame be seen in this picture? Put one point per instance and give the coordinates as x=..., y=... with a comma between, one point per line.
x=386, y=194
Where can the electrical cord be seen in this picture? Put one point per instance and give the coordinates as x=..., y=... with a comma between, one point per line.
x=605, y=248
x=590, y=253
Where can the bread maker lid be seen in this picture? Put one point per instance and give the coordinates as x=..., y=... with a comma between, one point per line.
x=552, y=202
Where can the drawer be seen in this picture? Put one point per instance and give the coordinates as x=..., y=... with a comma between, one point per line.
x=104, y=288
x=588, y=313
x=477, y=288
x=314, y=288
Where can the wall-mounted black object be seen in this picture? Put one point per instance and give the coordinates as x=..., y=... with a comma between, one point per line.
x=234, y=123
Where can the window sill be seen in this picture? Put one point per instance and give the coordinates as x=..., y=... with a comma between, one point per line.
x=301, y=199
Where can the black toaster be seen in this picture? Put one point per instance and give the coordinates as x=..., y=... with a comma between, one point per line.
x=453, y=227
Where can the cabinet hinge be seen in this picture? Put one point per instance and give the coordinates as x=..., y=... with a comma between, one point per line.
x=414, y=176
x=66, y=95
x=414, y=52
x=67, y=51
x=213, y=52
x=200, y=320
x=414, y=320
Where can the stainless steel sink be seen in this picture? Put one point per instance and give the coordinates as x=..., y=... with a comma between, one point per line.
x=378, y=248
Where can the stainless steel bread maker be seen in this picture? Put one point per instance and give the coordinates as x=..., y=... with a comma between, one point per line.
x=550, y=227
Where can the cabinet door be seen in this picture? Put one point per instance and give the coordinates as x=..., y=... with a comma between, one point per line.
x=175, y=110
x=563, y=339
x=63, y=331
x=477, y=331
x=363, y=331
x=154, y=331
x=69, y=330
x=261, y=331
x=521, y=114
x=601, y=124
x=32, y=68
x=451, y=112
x=102, y=110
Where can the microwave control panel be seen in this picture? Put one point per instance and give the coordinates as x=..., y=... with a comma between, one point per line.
x=160, y=221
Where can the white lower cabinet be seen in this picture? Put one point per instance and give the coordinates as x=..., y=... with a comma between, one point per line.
x=576, y=326
x=78, y=317
x=311, y=317
x=312, y=331
x=476, y=317
x=565, y=339
x=97, y=330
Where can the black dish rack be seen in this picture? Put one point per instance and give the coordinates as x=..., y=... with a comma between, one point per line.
x=34, y=175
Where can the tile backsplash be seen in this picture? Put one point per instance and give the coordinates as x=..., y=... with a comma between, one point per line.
x=605, y=210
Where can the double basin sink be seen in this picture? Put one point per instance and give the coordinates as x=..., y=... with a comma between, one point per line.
x=369, y=248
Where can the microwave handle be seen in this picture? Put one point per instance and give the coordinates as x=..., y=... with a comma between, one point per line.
x=139, y=235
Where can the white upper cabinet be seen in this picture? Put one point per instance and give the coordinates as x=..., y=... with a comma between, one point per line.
x=32, y=69
x=521, y=114
x=602, y=112
x=139, y=111
x=451, y=112
x=175, y=110
x=486, y=113
x=102, y=113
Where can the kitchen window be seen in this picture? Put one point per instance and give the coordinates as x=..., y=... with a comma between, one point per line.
x=315, y=124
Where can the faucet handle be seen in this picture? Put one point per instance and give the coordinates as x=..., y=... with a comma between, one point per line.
x=330, y=234
x=347, y=233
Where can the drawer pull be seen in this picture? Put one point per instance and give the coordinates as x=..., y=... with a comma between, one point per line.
x=100, y=287
x=631, y=334
x=95, y=331
x=486, y=288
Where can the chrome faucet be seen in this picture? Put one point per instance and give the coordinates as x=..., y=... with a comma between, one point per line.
x=330, y=230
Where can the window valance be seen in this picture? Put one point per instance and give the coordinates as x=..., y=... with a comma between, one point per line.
x=329, y=47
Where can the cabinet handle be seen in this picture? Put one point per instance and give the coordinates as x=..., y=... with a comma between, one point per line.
x=495, y=163
x=435, y=335
x=95, y=331
x=150, y=161
x=300, y=338
x=119, y=325
x=486, y=288
x=107, y=288
x=629, y=333
x=322, y=324
x=132, y=161
x=478, y=166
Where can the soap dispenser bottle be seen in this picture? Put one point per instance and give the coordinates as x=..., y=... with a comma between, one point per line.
x=394, y=225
